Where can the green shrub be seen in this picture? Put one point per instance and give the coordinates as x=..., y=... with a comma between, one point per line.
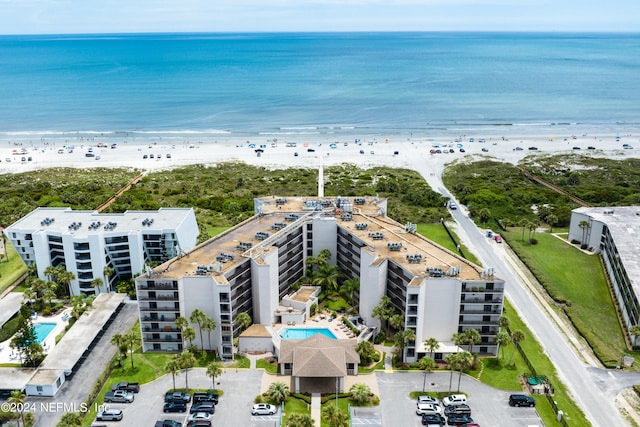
x=10, y=328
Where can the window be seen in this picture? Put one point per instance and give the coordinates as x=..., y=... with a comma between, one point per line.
x=39, y=388
x=58, y=383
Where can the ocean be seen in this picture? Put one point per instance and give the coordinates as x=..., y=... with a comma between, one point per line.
x=298, y=85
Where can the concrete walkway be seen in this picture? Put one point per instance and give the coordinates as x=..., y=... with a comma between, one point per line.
x=388, y=354
x=315, y=408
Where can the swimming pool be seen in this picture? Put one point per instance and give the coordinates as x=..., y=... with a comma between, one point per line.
x=43, y=330
x=302, y=333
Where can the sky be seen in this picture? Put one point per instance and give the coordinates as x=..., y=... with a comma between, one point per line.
x=139, y=16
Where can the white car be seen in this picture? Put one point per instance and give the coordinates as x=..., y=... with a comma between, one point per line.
x=427, y=408
x=200, y=416
x=454, y=399
x=428, y=399
x=263, y=409
x=109, y=415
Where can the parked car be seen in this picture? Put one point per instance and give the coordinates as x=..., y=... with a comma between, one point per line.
x=428, y=399
x=132, y=387
x=168, y=155
x=121, y=396
x=454, y=399
x=208, y=407
x=433, y=420
x=110, y=415
x=168, y=423
x=311, y=150
x=263, y=409
x=462, y=409
x=591, y=147
x=89, y=155
x=177, y=396
x=458, y=420
x=497, y=238
x=144, y=156
x=485, y=150
x=199, y=423
x=174, y=407
x=521, y=400
x=452, y=205
x=200, y=416
x=518, y=149
x=427, y=408
x=533, y=148
x=205, y=397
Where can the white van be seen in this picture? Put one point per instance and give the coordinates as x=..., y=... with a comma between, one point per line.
x=454, y=399
x=452, y=205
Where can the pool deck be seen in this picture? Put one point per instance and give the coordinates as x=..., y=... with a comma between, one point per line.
x=6, y=352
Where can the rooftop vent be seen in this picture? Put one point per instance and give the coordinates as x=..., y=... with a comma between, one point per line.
x=281, y=201
x=358, y=200
x=278, y=225
x=147, y=222
x=292, y=217
x=414, y=258
x=261, y=235
x=435, y=272
x=361, y=226
x=47, y=221
x=346, y=216
x=110, y=225
x=394, y=246
x=376, y=235
x=75, y=225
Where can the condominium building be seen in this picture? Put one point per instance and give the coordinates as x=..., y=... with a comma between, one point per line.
x=253, y=266
x=85, y=242
x=613, y=232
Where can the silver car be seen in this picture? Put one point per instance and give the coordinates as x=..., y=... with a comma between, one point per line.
x=263, y=409
x=109, y=415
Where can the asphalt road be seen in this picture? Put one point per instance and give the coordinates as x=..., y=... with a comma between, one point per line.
x=583, y=381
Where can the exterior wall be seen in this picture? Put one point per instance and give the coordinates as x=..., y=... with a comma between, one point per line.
x=373, y=277
x=33, y=389
x=199, y=292
x=265, y=288
x=438, y=309
x=258, y=344
x=159, y=306
x=591, y=234
x=324, y=236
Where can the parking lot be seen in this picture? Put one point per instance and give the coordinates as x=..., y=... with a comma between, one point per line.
x=489, y=407
x=234, y=409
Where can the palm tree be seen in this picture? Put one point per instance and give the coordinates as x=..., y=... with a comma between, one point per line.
x=503, y=322
x=189, y=334
x=208, y=325
x=119, y=341
x=348, y=288
x=132, y=339
x=383, y=311
x=64, y=277
x=401, y=340
x=327, y=277
x=243, y=320
x=396, y=321
x=551, y=220
x=335, y=416
x=181, y=322
x=432, y=344
x=197, y=317
x=97, y=283
x=471, y=338
x=278, y=392
x=458, y=339
x=173, y=366
x=186, y=360
x=299, y=420
x=17, y=400
x=360, y=393
x=50, y=272
x=108, y=272
x=452, y=360
x=517, y=336
x=523, y=223
x=465, y=360
x=635, y=332
x=49, y=292
x=427, y=364
x=214, y=369
x=502, y=339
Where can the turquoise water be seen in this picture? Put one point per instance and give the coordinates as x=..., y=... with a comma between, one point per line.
x=43, y=330
x=298, y=84
x=303, y=333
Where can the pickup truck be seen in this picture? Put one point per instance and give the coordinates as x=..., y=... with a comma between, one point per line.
x=168, y=423
x=132, y=387
x=121, y=396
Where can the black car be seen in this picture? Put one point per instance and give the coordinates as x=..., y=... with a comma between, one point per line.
x=205, y=397
x=174, y=407
x=458, y=420
x=457, y=410
x=521, y=400
x=431, y=419
x=208, y=407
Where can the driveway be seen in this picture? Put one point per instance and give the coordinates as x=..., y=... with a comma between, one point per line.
x=489, y=406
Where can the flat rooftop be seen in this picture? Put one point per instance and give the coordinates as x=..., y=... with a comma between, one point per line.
x=15, y=378
x=276, y=220
x=75, y=342
x=9, y=305
x=85, y=223
x=623, y=223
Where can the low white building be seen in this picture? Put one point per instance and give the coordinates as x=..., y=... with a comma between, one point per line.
x=86, y=242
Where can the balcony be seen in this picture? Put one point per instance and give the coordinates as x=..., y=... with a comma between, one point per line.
x=479, y=322
x=473, y=310
x=165, y=339
x=159, y=309
x=161, y=329
x=146, y=286
x=157, y=298
x=162, y=318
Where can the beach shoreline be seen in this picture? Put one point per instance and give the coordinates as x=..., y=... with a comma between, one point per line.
x=32, y=151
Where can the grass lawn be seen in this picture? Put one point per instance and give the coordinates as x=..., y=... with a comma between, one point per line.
x=578, y=279
x=295, y=406
x=271, y=368
x=335, y=303
x=343, y=404
x=437, y=233
x=376, y=366
x=10, y=270
x=543, y=366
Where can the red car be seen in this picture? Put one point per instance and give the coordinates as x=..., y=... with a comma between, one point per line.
x=497, y=238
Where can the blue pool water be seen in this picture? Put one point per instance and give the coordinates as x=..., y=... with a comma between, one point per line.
x=302, y=333
x=43, y=330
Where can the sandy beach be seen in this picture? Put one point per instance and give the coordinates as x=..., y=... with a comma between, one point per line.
x=36, y=153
